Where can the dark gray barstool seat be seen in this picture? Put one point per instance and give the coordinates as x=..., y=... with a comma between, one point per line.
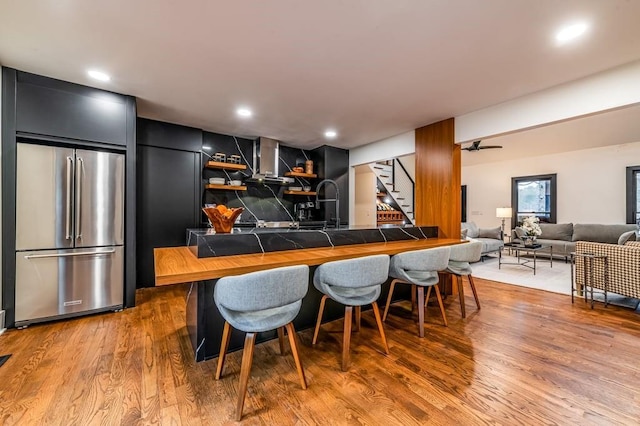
x=420, y=269
x=354, y=283
x=257, y=302
x=459, y=265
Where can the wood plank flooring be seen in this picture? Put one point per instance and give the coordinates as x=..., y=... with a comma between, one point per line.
x=528, y=357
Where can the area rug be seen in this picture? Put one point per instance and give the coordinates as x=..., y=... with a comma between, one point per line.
x=556, y=278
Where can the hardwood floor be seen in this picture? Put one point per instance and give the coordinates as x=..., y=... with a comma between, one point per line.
x=528, y=357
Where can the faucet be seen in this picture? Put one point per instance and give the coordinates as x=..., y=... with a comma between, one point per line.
x=336, y=200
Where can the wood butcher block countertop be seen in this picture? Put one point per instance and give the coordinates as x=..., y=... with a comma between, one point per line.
x=175, y=265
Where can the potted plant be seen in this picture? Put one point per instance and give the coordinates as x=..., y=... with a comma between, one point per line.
x=531, y=228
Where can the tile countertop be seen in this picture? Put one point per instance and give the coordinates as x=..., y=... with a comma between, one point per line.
x=207, y=243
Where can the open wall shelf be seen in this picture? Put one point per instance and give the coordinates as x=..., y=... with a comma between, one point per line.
x=225, y=166
x=226, y=187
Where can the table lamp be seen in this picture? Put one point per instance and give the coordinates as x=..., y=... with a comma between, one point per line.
x=503, y=213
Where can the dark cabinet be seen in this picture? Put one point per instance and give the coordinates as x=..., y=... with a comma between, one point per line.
x=45, y=106
x=169, y=189
x=332, y=163
x=168, y=203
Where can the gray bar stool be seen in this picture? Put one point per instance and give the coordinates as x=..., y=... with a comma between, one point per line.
x=354, y=283
x=459, y=259
x=420, y=269
x=257, y=302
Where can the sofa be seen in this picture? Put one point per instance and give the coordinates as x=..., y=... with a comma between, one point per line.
x=491, y=238
x=563, y=236
x=622, y=272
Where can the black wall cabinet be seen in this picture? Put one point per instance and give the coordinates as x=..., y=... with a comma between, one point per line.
x=52, y=107
x=333, y=163
x=169, y=189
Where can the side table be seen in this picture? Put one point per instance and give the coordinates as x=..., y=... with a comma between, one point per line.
x=588, y=275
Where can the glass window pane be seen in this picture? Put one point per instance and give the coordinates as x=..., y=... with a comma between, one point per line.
x=637, y=191
x=534, y=198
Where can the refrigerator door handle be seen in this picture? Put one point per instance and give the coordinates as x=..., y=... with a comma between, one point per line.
x=79, y=178
x=84, y=253
x=68, y=212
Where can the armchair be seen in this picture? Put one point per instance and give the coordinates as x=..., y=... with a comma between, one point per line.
x=622, y=273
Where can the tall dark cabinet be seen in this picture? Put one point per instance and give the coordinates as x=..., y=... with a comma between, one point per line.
x=45, y=111
x=333, y=163
x=169, y=189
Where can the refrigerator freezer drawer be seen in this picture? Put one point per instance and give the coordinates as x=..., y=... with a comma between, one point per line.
x=53, y=283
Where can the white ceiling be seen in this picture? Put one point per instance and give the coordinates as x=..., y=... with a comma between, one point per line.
x=367, y=68
x=615, y=127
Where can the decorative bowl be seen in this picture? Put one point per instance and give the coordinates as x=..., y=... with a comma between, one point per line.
x=222, y=218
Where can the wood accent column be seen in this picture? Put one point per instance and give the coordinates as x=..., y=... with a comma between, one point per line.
x=438, y=178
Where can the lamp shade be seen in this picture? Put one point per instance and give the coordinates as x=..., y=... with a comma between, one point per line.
x=503, y=212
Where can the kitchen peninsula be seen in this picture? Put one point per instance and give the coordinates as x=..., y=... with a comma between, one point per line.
x=277, y=248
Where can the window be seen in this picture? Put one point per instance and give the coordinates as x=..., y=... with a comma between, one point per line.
x=533, y=196
x=633, y=194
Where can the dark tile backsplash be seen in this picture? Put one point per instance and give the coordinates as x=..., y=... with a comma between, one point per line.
x=261, y=201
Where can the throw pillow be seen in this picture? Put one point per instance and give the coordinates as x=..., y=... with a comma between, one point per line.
x=472, y=229
x=489, y=233
x=519, y=232
x=463, y=234
x=627, y=236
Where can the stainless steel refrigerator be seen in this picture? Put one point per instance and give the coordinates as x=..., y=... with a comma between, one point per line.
x=69, y=232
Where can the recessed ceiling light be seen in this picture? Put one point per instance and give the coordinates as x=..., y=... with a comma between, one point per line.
x=571, y=32
x=98, y=75
x=330, y=134
x=244, y=112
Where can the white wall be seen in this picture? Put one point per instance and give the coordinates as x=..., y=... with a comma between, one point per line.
x=590, y=184
x=409, y=163
x=384, y=149
x=365, y=197
x=607, y=90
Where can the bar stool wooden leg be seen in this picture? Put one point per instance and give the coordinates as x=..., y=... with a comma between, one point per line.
x=281, y=339
x=346, y=339
x=444, y=315
x=386, y=307
x=475, y=293
x=420, y=311
x=320, y=311
x=358, y=315
x=296, y=355
x=414, y=303
x=461, y=296
x=376, y=312
x=426, y=299
x=226, y=335
x=245, y=371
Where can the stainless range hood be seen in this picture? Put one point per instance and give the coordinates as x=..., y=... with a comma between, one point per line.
x=266, y=159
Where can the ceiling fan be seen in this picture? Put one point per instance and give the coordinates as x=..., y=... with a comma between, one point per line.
x=476, y=146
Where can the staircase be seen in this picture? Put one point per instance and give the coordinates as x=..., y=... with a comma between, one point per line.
x=398, y=184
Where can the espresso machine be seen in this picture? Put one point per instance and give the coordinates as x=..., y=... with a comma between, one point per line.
x=303, y=211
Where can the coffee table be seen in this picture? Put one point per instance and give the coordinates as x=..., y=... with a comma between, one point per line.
x=519, y=248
